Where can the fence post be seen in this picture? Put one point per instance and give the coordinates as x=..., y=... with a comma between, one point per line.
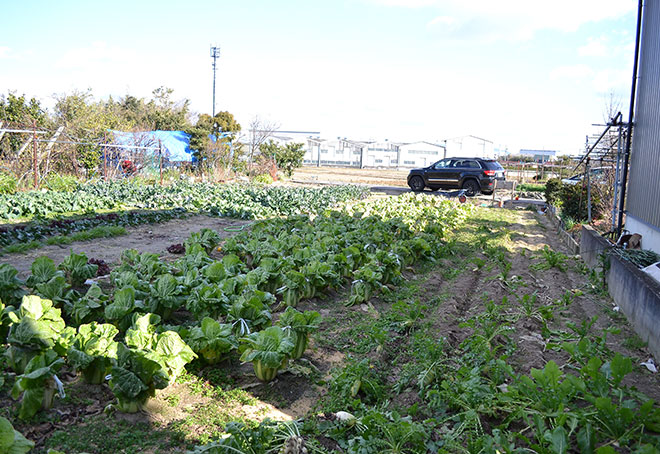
x=35, y=164
x=160, y=157
x=588, y=193
x=105, y=157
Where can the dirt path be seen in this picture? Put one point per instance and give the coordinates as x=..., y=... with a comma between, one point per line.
x=152, y=238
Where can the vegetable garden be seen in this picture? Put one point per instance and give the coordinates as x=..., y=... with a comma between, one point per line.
x=405, y=324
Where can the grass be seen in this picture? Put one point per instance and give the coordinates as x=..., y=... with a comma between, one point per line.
x=530, y=187
x=85, y=235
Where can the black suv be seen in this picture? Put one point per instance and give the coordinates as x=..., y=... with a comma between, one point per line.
x=471, y=174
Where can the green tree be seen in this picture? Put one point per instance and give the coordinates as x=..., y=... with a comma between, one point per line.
x=289, y=157
x=88, y=121
x=20, y=112
x=211, y=152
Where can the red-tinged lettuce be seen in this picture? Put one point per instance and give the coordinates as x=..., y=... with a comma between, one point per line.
x=298, y=325
x=35, y=327
x=93, y=350
x=212, y=340
x=11, y=440
x=37, y=384
x=135, y=378
x=268, y=351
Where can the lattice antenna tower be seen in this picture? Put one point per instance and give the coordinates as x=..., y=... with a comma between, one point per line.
x=215, y=54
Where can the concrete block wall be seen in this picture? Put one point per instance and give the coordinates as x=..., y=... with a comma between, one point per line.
x=637, y=294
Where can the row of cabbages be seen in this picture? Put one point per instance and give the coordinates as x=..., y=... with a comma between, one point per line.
x=150, y=317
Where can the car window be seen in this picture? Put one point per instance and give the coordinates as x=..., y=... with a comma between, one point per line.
x=468, y=164
x=441, y=164
x=492, y=165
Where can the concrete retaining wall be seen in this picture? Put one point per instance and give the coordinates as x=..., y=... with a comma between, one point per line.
x=637, y=294
x=592, y=245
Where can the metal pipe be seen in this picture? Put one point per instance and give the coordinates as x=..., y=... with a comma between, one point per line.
x=35, y=164
x=633, y=92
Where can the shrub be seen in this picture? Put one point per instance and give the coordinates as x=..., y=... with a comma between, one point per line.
x=573, y=200
x=552, y=188
x=264, y=179
x=61, y=183
x=8, y=183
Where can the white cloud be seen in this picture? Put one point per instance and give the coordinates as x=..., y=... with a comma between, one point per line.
x=444, y=21
x=575, y=72
x=612, y=80
x=4, y=51
x=521, y=19
x=406, y=3
x=595, y=47
x=98, y=53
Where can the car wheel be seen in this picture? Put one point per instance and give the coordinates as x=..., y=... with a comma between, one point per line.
x=416, y=184
x=471, y=188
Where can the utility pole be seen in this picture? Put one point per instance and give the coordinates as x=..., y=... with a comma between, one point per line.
x=215, y=54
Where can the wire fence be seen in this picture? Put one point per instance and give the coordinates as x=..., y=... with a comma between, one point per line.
x=32, y=154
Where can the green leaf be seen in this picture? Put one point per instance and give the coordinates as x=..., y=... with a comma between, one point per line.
x=559, y=440
x=586, y=439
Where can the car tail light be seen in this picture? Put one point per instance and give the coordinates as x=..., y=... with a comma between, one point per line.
x=489, y=173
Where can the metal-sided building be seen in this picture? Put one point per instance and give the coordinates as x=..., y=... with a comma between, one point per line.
x=643, y=198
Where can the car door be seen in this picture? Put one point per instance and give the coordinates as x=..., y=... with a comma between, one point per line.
x=437, y=174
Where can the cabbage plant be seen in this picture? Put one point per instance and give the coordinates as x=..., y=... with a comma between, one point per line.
x=268, y=351
x=212, y=340
x=135, y=378
x=92, y=351
x=37, y=384
x=11, y=440
x=298, y=325
x=35, y=327
x=166, y=348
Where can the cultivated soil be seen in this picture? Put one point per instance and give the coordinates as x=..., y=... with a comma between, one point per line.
x=151, y=238
x=452, y=291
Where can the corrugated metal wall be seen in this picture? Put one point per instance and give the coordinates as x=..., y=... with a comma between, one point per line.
x=644, y=177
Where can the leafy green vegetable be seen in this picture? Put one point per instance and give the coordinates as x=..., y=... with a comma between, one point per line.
x=77, y=269
x=43, y=270
x=11, y=440
x=11, y=288
x=298, y=326
x=207, y=239
x=250, y=312
x=37, y=384
x=90, y=307
x=212, y=340
x=123, y=304
x=36, y=326
x=92, y=351
x=166, y=348
x=135, y=378
x=165, y=296
x=268, y=351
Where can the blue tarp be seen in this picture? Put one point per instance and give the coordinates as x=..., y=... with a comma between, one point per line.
x=176, y=144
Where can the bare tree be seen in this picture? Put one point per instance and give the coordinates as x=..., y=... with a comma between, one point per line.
x=259, y=132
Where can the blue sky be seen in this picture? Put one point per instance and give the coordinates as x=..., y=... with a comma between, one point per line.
x=524, y=74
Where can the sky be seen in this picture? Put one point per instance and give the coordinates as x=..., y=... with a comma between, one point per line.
x=521, y=73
